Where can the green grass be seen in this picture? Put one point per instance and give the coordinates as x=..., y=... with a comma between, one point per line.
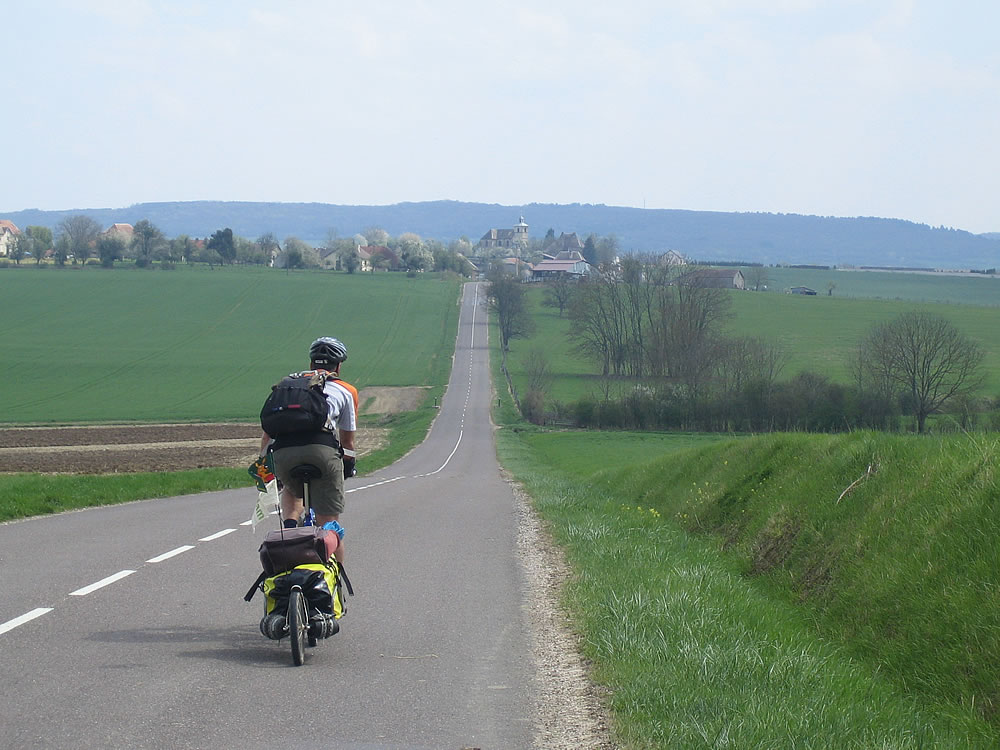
x=966, y=289
x=696, y=652
x=726, y=599
x=26, y=495
x=820, y=334
x=93, y=345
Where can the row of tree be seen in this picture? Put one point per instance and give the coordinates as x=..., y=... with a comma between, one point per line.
x=657, y=330
x=78, y=238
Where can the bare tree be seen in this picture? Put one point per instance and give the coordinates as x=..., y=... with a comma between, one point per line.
x=598, y=325
x=538, y=370
x=557, y=292
x=507, y=298
x=922, y=356
x=81, y=232
x=757, y=278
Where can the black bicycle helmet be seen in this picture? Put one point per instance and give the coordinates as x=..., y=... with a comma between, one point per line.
x=327, y=351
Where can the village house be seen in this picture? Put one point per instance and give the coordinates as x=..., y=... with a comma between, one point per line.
x=8, y=233
x=516, y=237
x=121, y=231
x=672, y=258
x=567, y=263
x=375, y=257
x=714, y=278
x=564, y=243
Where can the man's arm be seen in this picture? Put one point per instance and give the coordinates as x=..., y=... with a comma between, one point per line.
x=350, y=456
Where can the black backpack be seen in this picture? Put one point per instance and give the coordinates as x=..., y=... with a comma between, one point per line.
x=296, y=404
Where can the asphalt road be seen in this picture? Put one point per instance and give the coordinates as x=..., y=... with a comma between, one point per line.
x=125, y=627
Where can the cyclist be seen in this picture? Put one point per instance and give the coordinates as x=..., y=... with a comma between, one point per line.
x=336, y=458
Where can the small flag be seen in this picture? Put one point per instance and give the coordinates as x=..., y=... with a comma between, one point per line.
x=261, y=472
x=267, y=489
x=267, y=503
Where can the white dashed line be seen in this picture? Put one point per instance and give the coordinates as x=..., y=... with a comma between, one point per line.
x=171, y=553
x=26, y=617
x=101, y=583
x=216, y=535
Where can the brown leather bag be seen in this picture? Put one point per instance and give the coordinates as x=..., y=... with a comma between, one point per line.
x=283, y=549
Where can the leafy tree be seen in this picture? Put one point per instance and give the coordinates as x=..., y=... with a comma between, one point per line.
x=376, y=236
x=208, y=255
x=109, y=249
x=39, y=241
x=590, y=250
x=148, y=242
x=413, y=253
x=269, y=246
x=607, y=250
x=182, y=247
x=60, y=250
x=222, y=242
x=81, y=233
x=20, y=247
x=349, y=259
x=297, y=254
x=922, y=356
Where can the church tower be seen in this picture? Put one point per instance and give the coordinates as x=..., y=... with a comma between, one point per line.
x=521, y=233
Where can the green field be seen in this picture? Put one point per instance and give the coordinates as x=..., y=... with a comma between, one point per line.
x=965, y=289
x=818, y=334
x=91, y=345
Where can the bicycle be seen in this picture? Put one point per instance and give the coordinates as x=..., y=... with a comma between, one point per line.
x=305, y=564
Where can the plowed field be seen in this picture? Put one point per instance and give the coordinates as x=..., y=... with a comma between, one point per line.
x=166, y=447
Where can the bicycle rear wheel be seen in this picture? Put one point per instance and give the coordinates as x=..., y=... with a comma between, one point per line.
x=298, y=625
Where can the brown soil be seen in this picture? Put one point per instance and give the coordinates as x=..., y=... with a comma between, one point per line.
x=166, y=447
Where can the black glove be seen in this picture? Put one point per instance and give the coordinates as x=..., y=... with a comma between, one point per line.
x=350, y=467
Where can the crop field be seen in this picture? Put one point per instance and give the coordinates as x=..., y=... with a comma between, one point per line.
x=965, y=289
x=817, y=334
x=89, y=345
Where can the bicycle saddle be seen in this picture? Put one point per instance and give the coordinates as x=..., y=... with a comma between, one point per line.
x=306, y=472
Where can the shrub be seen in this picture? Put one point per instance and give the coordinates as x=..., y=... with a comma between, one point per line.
x=533, y=406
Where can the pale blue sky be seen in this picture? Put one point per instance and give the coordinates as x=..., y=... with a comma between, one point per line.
x=843, y=108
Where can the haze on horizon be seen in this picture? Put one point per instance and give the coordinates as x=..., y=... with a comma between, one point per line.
x=884, y=108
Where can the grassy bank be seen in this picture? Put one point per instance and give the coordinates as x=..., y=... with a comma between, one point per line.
x=726, y=598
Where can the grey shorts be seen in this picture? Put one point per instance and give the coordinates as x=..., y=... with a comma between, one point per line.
x=326, y=494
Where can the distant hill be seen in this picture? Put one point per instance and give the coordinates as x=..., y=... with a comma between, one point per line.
x=701, y=235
